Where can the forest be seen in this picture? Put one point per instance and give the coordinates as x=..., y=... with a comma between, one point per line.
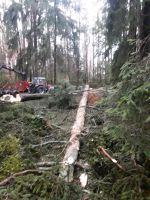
x=75, y=100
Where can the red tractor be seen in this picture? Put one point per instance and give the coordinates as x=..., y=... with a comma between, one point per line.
x=38, y=84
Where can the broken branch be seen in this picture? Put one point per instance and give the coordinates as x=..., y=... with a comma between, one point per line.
x=46, y=143
x=22, y=173
x=104, y=152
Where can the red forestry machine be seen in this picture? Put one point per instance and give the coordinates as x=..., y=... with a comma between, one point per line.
x=17, y=87
x=38, y=84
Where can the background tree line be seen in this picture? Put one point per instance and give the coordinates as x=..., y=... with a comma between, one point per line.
x=42, y=37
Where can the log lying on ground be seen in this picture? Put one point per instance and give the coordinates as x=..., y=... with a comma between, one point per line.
x=74, y=143
x=27, y=97
x=10, y=98
x=80, y=164
x=22, y=97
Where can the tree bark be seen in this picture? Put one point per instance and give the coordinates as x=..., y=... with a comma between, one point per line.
x=145, y=29
x=93, y=55
x=133, y=23
x=74, y=142
x=55, y=43
x=76, y=54
x=35, y=37
x=22, y=97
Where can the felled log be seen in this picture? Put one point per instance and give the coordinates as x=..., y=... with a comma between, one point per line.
x=79, y=164
x=74, y=142
x=22, y=97
x=27, y=97
x=10, y=98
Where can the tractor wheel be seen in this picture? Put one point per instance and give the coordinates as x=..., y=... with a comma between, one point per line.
x=40, y=90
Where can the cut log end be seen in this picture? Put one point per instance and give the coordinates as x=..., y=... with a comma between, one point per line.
x=10, y=98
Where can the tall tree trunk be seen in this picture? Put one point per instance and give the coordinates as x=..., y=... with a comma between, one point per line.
x=125, y=49
x=49, y=53
x=93, y=56
x=77, y=65
x=68, y=67
x=55, y=43
x=86, y=49
x=35, y=37
x=86, y=65
x=76, y=54
x=133, y=23
x=145, y=29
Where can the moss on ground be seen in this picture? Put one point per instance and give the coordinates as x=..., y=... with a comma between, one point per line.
x=22, y=127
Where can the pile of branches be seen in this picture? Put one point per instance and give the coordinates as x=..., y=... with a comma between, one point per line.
x=62, y=97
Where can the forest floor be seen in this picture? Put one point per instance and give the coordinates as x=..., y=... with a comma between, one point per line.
x=34, y=132
x=35, y=124
x=59, y=122
x=42, y=134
